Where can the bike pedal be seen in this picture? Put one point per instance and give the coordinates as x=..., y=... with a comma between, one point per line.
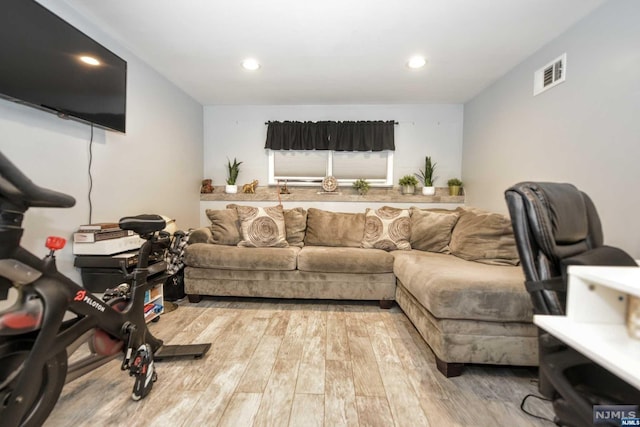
x=143, y=369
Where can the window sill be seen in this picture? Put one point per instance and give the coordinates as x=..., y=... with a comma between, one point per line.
x=315, y=194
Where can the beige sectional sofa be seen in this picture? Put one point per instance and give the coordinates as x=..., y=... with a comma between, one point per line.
x=453, y=273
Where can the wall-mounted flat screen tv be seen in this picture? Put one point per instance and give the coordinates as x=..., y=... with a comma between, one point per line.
x=51, y=65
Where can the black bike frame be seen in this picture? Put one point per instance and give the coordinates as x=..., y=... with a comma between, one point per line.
x=39, y=279
x=60, y=294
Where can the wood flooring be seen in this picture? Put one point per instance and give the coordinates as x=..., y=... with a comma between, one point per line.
x=300, y=363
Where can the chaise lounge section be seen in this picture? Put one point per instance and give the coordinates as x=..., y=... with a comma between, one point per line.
x=467, y=312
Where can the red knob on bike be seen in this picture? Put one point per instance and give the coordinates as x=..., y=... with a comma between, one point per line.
x=55, y=243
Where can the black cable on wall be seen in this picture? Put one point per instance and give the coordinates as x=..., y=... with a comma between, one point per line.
x=90, y=177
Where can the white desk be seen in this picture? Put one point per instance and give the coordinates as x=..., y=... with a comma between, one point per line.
x=595, y=324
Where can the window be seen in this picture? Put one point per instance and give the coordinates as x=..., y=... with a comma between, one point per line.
x=297, y=166
x=309, y=167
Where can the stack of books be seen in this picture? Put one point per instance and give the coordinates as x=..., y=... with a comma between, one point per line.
x=104, y=238
x=91, y=233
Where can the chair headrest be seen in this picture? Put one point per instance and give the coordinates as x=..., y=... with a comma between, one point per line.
x=562, y=219
x=566, y=210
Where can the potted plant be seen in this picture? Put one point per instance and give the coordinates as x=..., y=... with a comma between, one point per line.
x=427, y=178
x=454, y=186
x=362, y=186
x=408, y=184
x=232, y=175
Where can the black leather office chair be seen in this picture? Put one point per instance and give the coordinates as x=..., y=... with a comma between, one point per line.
x=557, y=225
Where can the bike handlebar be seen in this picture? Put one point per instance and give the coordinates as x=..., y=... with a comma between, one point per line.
x=21, y=191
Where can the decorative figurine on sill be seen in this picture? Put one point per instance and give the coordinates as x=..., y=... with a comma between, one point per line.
x=283, y=190
x=250, y=188
x=207, y=186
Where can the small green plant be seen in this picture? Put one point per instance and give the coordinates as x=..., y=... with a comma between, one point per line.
x=233, y=171
x=361, y=185
x=455, y=185
x=408, y=180
x=426, y=175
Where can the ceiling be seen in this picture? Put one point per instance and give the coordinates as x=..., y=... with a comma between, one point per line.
x=333, y=51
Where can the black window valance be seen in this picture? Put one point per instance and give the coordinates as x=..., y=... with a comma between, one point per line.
x=328, y=135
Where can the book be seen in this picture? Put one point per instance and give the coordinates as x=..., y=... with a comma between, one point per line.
x=99, y=226
x=109, y=246
x=84, y=230
x=99, y=235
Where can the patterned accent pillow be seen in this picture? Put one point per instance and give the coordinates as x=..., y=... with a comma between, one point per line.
x=225, y=227
x=295, y=224
x=387, y=228
x=262, y=227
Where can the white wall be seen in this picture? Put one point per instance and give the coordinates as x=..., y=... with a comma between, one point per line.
x=240, y=131
x=585, y=131
x=155, y=168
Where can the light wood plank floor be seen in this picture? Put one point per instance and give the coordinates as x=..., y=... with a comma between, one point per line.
x=300, y=363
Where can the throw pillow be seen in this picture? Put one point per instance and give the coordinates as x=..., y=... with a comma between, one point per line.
x=262, y=227
x=225, y=227
x=326, y=228
x=431, y=229
x=484, y=237
x=295, y=223
x=387, y=228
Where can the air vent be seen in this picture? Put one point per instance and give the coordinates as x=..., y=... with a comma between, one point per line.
x=550, y=75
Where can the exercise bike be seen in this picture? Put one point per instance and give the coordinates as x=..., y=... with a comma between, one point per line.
x=50, y=316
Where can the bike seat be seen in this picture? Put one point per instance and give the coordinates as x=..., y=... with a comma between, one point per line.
x=143, y=224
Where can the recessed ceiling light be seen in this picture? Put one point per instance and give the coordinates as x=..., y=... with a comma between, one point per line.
x=250, y=64
x=416, y=62
x=89, y=60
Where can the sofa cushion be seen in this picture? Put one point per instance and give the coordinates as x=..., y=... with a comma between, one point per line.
x=484, y=237
x=262, y=227
x=387, y=228
x=205, y=255
x=452, y=288
x=431, y=229
x=326, y=228
x=225, y=227
x=344, y=260
x=295, y=223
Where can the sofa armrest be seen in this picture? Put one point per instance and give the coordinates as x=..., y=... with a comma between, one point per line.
x=201, y=235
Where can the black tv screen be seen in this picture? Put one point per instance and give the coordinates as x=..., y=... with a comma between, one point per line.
x=49, y=64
